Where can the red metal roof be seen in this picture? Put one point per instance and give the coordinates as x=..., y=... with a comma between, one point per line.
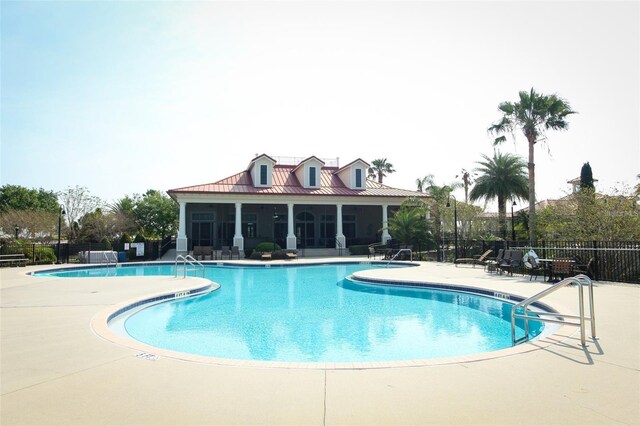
x=284, y=182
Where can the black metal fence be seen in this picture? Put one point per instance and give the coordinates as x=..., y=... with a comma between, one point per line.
x=610, y=260
x=77, y=252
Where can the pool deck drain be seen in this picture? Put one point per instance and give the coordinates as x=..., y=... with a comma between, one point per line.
x=56, y=370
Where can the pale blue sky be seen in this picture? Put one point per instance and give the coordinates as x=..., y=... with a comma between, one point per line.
x=121, y=97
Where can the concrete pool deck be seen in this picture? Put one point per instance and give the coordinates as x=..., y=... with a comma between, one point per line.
x=56, y=370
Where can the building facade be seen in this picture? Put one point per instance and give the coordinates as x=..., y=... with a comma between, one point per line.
x=308, y=204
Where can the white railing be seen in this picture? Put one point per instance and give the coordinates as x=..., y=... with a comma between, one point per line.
x=189, y=263
x=580, y=280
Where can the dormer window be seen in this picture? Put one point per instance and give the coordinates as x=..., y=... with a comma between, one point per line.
x=353, y=175
x=312, y=176
x=358, y=178
x=263, y=174
x=261, y=170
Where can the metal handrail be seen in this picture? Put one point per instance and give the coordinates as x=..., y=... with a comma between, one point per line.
x=400, y=251
x=191, y=261
x=108, y=259
x=580, y=280
x=339, y=244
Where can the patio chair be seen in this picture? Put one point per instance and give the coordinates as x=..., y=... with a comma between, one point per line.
x=503, y=264
x=372, y=253
x=491, y=265
x=530, y=262
x=235, y=250
x=585, y=269
x=224, y=251
x=561, y=267
x=514, y=263
x=480, y=260
x=202, y=252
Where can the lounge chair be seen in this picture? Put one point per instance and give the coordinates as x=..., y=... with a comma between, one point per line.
x=265, y=256
x=224, y=251
x=291, y=254
x=235, y=250
x=480, y=260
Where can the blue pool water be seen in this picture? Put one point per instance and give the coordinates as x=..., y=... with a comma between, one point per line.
x=314, y=314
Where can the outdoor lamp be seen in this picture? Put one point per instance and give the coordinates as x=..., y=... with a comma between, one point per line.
x=275, y=217
x=455, y=224
x=61, y=213
x=513, y=231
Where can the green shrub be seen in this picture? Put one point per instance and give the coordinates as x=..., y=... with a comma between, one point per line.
x=266, y=246
x=359, y=249
x=139, y=239
x=106, y=243
x=126, y=238
x=247, y=253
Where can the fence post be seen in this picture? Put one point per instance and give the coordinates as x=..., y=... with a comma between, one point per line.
x=595, y=261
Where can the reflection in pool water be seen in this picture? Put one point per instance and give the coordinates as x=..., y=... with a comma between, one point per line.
x=312, y=314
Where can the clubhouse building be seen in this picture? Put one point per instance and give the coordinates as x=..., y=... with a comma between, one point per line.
x=311, y=204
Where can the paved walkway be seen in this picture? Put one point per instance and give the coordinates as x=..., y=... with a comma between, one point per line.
x=56, y=370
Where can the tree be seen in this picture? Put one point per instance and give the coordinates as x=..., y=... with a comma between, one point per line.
x=123, y=211
x=16, y=197
x=410, y=226
x=33, y=211
x=156, y=214
x=421, y=183
x=583, y=217
x=77, y=202
x=533, y=114
x=379, y=169
x=502, y=177
x=467, y=180
x=586, y=177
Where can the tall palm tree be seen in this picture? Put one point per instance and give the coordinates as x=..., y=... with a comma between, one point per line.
x=533, y=114
x=502, y=177
x=379, y=169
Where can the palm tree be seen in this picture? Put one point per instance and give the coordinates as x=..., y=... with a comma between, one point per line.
x=502, y=177
x=422, y=182
x=533, y=114
x=379, y=169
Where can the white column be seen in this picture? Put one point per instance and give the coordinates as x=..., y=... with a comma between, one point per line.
x=181, y=239
x=292, y=241
x=238, y=240
x=341, y=241
x=385, y=232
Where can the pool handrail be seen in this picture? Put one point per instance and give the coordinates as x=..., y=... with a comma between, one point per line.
x=580, y=280
x=194, y=263
x=400, y=251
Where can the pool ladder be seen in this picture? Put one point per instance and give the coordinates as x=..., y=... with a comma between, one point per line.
x=189, y=263
x=398, y=253
x=580, y=280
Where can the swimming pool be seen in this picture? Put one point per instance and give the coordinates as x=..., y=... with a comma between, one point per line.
x=313, y=313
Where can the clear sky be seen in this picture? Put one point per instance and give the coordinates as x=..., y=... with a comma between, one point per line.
x=121, y=97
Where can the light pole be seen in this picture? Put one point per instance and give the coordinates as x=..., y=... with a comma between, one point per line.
x=275, y=217
x=17, y=229
x=513, y=230
x=61, y=212
x=455, y=224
